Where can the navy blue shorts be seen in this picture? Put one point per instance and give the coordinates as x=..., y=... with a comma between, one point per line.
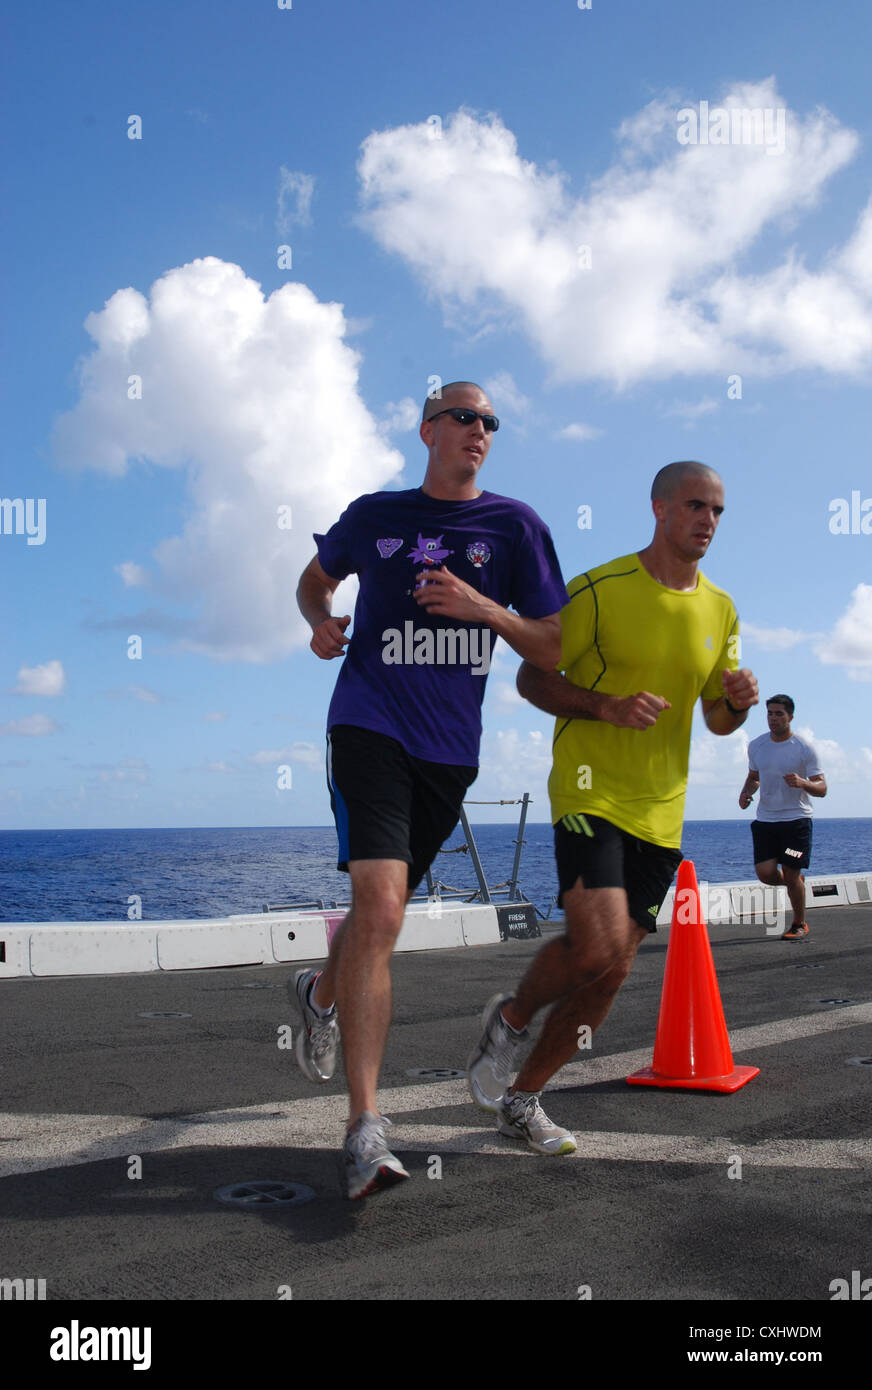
x=788, y=842
x=604, y=856
x=389, y=805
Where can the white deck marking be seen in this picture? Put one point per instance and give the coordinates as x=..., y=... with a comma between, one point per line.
x=30, y=1143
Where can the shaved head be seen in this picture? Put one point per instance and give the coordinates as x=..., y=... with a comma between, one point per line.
x=672, y=477
x=434, y=403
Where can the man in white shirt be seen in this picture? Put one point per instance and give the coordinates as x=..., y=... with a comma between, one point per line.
x=785, y=767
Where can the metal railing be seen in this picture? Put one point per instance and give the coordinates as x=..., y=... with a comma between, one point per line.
x=510, y=889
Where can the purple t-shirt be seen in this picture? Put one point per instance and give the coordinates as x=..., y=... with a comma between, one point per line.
x=414, y=676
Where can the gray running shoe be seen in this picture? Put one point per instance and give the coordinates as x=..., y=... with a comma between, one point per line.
x=369, y=1163
x=496, y=1059
x=522, y=1117
x=318, y=1038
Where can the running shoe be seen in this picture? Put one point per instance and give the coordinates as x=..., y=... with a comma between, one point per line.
x=369, y=1163
x=795, y=931
x=522, y=1117
x=318, y=1038
x=496, y=1059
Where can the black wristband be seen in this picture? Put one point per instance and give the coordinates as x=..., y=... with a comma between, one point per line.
x=732, y=708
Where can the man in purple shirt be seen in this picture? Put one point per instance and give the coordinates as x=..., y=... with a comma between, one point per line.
x=439, y=568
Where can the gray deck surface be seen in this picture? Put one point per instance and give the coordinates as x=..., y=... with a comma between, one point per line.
x=644, y=1211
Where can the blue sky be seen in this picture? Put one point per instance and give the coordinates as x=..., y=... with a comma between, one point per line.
x=492, y=191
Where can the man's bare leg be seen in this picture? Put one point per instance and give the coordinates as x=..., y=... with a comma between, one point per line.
x=768, y=872
x=794, y=882
x=791, y=879
x=324, y=991
x=582, y=972
x=359, y=964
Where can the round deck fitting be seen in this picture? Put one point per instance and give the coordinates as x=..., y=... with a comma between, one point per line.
x=264, y=1193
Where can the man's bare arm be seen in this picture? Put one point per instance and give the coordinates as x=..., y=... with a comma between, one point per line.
x=315, y=601
x=537, y=640
x=552, y=692
x=746, y=795
x=740, y=689
x=815, y=786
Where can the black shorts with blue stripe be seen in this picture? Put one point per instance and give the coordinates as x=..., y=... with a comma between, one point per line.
x=389, y=805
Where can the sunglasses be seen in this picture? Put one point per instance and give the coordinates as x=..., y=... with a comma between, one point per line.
x=468, y=417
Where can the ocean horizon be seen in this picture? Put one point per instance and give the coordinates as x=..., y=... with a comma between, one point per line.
x=199, y=872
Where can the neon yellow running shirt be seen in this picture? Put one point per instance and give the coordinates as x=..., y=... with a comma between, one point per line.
x=624, y=633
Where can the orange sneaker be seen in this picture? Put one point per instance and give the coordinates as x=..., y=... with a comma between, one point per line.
x=795, y=931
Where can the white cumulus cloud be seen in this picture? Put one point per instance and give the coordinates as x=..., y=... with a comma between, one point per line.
x=256, y=398
x=144, y=694
x=775, y=639
x=401, y=416
x=31, y=726
x=693, y=410
x=717, y=761
x=838, y=764
x=294, y=200
x=506, y=395
x=639, y=277
x=133, y=576
x=306, y=753
x=48, y=679
x=579, y=433
x=513, y=763
x=506, y=693
x=850, y=642
x=128, y=770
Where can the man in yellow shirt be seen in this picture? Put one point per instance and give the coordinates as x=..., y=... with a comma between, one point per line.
x=644, y=623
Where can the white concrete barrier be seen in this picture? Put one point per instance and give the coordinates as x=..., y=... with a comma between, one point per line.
x=119, y=948
x=14, y=951
x=751, y=900
x=297, y=936
x=823, y=891
x=859, y=888
x=257, y=938
x=199, y=945
x=725, y=903
x=430, y=927
x=92, y=948
x=717, y=904
x=664, y=916
x=480, y=925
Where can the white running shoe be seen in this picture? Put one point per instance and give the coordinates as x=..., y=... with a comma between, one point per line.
x=496, y=1059
x=318, y=1038
x=369, y=1163
x=522, y=1117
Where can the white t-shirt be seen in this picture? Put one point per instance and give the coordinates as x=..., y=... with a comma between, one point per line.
x=773, y=761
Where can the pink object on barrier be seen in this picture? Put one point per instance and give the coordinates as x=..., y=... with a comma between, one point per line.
x=333, y=921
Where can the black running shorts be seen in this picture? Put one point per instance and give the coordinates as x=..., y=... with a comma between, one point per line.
x=604, y=856
x=788, y=842
x=389, y=805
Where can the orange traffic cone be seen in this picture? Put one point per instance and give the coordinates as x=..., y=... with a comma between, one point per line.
x=692, y=1049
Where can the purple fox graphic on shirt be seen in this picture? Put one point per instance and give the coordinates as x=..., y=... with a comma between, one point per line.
x=429, y=551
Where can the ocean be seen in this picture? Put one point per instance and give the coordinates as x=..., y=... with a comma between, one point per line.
x=105, y=875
